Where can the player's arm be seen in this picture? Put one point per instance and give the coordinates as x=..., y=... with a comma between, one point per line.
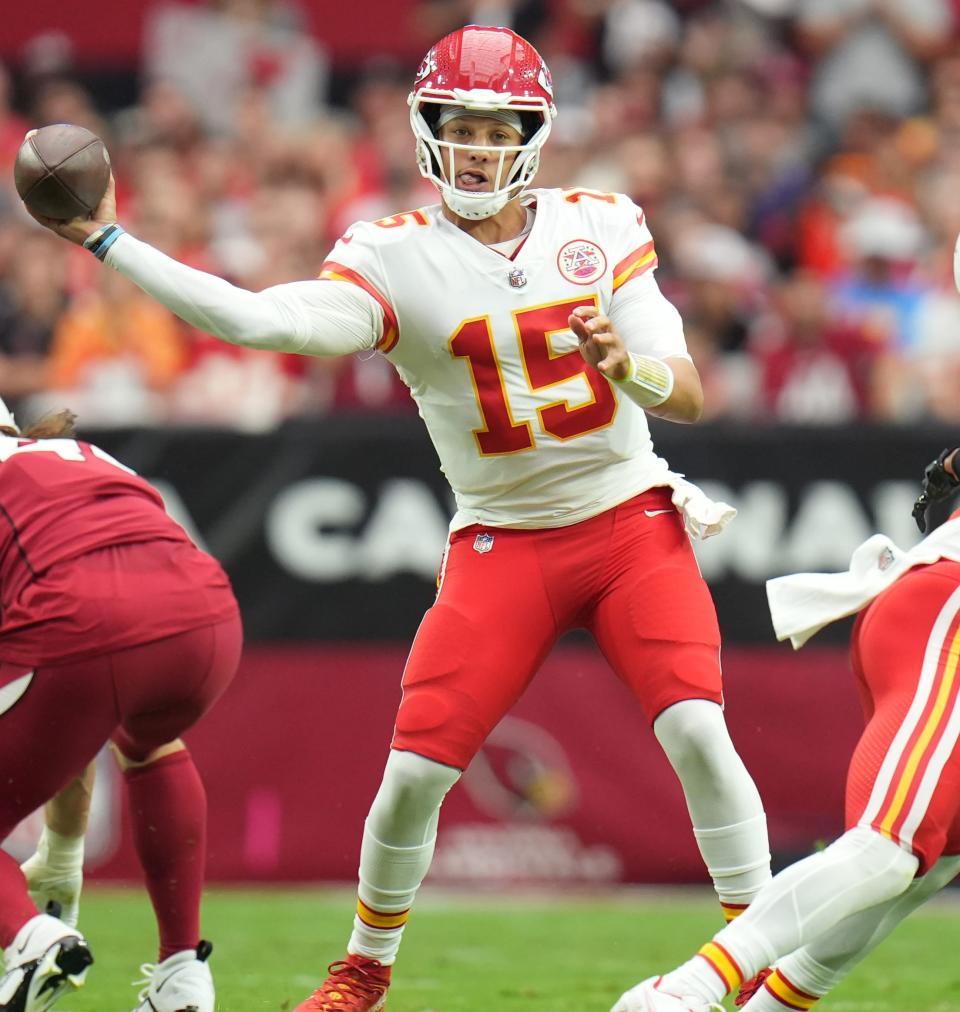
x=640, y=348
x=306, y=317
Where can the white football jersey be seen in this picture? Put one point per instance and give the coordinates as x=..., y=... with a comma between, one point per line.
x=527, y=433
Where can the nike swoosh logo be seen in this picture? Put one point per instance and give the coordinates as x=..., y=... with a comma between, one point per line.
x=656, y=513
x=22, y=948
x=11, y=693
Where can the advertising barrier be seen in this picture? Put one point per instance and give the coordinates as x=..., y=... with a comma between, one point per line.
x=332, y=533
x=572, y=786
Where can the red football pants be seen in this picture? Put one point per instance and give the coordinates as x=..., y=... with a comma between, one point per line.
x=629, y=576
x=904, y=778
x=142, y=697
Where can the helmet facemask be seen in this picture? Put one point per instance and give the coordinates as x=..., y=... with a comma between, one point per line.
x=435, y=158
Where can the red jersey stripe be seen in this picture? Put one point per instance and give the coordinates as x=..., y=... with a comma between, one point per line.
x=332, y=271
x=634, y=264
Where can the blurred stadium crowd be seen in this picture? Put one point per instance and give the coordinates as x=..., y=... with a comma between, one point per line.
x=798, y=162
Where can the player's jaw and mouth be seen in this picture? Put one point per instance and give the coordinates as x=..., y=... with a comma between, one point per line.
x=482, y=175
x=473, y=180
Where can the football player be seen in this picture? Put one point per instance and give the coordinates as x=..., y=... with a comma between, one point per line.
x=114, y=627
x=818, y=918
x=532, y=334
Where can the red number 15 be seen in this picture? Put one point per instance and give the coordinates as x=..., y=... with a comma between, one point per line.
x=543, y=367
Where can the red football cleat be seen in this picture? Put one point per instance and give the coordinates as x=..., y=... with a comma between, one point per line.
x=750, y=987
x=354, y=984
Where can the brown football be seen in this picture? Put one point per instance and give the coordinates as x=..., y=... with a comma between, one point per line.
x=62, y=171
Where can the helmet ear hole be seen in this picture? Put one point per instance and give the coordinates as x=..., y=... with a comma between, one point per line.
x=430, y=111
x=530, y=123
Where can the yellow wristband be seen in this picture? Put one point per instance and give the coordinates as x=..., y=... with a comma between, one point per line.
x=649, y=382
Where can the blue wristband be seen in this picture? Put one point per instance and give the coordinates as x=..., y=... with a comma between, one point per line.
x=103, y=239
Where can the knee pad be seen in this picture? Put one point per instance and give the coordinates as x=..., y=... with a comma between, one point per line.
x=693, y=731
x=888, y=867
x=408, y=802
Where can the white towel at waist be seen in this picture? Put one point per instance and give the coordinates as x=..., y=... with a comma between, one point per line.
x=802, y=604
x=702, y=516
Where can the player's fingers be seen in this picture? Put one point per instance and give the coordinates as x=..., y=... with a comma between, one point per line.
x=608, y=356
x=598, y=325
x=586, y=312
x=579, y=328
x=52, y=223
x=106, y=210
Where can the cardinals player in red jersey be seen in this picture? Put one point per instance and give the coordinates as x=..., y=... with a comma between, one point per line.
x=114, y=627
x=818, y=918
x=532, y=334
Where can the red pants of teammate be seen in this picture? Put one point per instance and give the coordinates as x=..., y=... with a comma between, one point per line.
x=629, y=576
x=904, y=779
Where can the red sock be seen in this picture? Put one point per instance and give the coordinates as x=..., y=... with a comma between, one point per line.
x=16, y=907
x=168, y=812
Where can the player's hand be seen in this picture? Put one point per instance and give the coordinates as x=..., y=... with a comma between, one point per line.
x=600, y=345
x=940, y=481
x=78, y=229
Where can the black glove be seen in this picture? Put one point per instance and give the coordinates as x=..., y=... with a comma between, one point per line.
x=937, y=485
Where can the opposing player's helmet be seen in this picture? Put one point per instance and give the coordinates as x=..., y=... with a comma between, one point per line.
x=482, y=70
x=6, y=418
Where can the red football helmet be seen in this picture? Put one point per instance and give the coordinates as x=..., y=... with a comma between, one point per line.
x=482, y=70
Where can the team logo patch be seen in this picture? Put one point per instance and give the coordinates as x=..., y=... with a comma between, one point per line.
x=517, y=278
x=482, y=543
x=886, y=559
x=545, y=80
x=581, y=261
x=427, y=67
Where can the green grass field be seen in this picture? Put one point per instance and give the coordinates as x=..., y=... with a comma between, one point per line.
x=485, y=954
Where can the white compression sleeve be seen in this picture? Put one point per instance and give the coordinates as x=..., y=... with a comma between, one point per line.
x=723, y=801
x=647, y=320
x=817, y=968
x=857, y=871
x=307, y=317
x=820, y=965
x=652, y=330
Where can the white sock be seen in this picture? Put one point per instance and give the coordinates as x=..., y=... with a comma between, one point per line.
x=798, y=980
x=55, y=872
x=389, y=879
x=723, y=848
x=61, y=854
x=398, y=841
x=725, y=807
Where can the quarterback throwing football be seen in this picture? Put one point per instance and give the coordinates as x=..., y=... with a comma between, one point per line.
x=533, y=337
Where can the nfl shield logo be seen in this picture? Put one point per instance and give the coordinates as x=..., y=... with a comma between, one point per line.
x=517, y=278
x=483, y=543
